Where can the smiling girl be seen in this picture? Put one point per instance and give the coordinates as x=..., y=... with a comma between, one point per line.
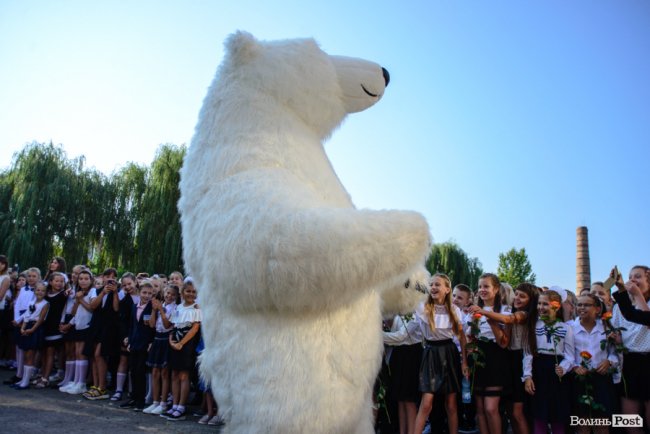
x=187, y=321
x=524, y=316
x=31, y=333
x=492, y=378
x=436, y=323
x=546, y=365
x=593, y=363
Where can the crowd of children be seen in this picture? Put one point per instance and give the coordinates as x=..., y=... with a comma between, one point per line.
x=534, y=358
x=137, y=336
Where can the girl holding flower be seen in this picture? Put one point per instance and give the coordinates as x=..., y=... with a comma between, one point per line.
x=523, y=318
x=492, y=374
x=546, y=365
x=594, y=392
x=436, y=323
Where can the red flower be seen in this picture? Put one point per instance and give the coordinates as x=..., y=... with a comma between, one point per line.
x=585, y=355
x=606, y=316
x=555, y=305
x=477, y=316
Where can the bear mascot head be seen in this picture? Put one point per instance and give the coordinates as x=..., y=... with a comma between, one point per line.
x=292, y=278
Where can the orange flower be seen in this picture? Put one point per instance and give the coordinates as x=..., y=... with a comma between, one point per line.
x=555, y=305
x=585, y=355
x=477, y=316
x=606, y=316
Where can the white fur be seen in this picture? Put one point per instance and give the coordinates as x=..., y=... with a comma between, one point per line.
x=290, y=274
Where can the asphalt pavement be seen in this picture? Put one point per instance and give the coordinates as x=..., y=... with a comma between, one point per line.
x=49, y=411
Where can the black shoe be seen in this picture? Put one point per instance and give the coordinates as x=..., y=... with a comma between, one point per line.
x=139, y=406
x=12, y=380
x=128, y=404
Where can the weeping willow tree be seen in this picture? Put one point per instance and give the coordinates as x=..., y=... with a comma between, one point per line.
x=450, y=259
x=122, y=197
x=50, y=204
x=158, y=240
x=43, y=209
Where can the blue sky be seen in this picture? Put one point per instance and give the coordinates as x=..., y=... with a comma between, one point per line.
x=506, y=123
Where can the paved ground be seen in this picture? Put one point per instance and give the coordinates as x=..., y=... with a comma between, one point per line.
x=51, y=411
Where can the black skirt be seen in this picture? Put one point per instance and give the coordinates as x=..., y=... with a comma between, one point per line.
x=494, y=378
x=159, y=354
x=636, y=376
x=440, y=368
x=552, y=398
x=33, y=341
x=185, y=359
x=405, y=362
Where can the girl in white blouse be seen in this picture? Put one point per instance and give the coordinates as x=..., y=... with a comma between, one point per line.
x=436, y=323
x=31, y=333
x=593, y=363
x=547, y=361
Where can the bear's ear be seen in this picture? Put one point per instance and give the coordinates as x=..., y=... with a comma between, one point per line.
x=241, y=46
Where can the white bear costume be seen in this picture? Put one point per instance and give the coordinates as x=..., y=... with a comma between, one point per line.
x=290, y=275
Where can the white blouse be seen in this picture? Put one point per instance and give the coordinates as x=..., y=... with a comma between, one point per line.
x=636, y=337
x=82, y=317
x=590, y=342
x=38, y=308
x=418, y=328
x=545, y=338
x=184, y=316
x=169, y=313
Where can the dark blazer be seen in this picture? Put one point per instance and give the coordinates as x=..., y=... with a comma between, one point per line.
x=629, y=312
x=140, y=334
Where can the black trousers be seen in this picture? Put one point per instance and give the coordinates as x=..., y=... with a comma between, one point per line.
x=138, y=372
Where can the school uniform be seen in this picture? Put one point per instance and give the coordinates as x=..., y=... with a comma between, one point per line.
x=67, y=316
x=552, y=398
x=635, y=362
x=494, y=373
x=404, y=364
x=104, y=329
x=53, y=335
x=81, y=319
x=23, y=300
x=159, y=354
x=184, y=318
x=604, y=392
x=140, y=336
x=32, y=315
x=440, y=365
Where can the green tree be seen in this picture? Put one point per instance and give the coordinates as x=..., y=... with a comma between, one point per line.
x=515, y=268
x=158, y=240
x=450, y=259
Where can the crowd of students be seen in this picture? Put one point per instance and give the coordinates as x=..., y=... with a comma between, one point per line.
x=139, y=333
x=532, y=357
x=535, y=358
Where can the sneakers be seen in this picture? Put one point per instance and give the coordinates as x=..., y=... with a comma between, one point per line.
x=205, y=419
x=151, y=408
x=216, y=421
x=160, y=409
x=74, y=388
x=176, y=415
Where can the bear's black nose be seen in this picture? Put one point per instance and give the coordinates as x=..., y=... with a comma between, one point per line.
x=386, y=75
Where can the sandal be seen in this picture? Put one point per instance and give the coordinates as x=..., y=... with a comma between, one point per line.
x=42, y=383
x=117, y=396
x=92, y=393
